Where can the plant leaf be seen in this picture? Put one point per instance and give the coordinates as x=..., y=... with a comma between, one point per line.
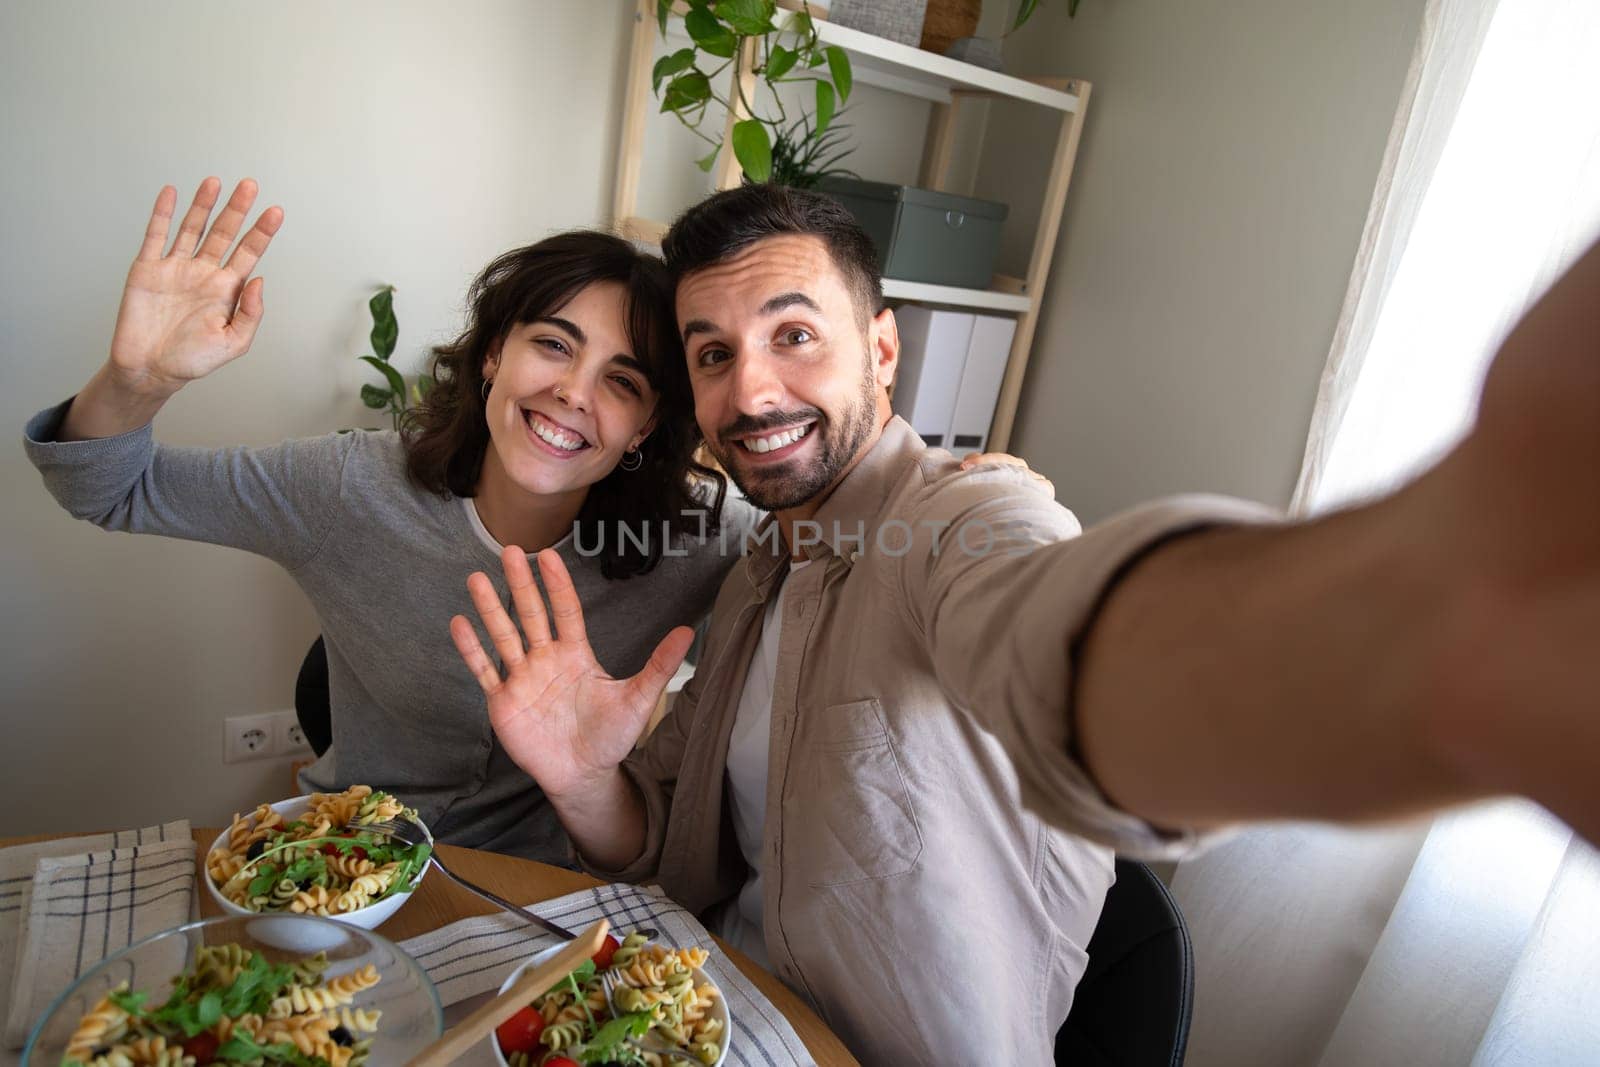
x=667, y=66
x=397, y=384
x=686, y=90
x=801, y=23
x=747, y=18
x=839, y=67
x=781, y=62
x=663, y=9
x=709, y=160
x=753, y=149
x=824, y=107
x=1072, y=8
x=385, y=329
x=1025, y=12
x=710, y=35
x=374, y=397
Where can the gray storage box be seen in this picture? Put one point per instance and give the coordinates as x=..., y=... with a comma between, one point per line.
x=922, y=235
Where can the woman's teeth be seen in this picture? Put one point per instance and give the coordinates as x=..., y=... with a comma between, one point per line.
x=560, y=438
x=777, y=440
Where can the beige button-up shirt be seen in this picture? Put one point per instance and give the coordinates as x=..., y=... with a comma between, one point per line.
x=912, y=890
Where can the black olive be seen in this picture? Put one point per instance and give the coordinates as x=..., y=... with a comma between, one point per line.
x=306, y=884
x=255, y=850
x=341, y=1036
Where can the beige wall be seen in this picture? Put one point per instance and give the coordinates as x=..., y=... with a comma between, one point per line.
x=408, y=144
x=1224, y=175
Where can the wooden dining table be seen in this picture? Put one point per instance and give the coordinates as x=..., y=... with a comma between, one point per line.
x=439, y=902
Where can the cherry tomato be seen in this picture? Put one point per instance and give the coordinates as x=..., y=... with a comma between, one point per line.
x=520, y=1033
x=608, y=948
x=560, y=1061
x=203, y=1047
x=358, y=852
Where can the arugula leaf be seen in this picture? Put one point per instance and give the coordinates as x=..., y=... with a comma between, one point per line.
x=312, y=867
x=413, y=861
x=609, y=1043
x=208, y=1011
x=266, y=877
x=132, y=1003
x=242, y=1048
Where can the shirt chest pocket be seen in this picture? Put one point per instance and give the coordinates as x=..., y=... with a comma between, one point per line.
x=855, y=817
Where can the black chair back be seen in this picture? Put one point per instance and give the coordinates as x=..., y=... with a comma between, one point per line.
x=311, y=699
x=1133, y=1005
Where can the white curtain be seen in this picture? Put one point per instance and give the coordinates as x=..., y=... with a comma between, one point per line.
x=1473, y=938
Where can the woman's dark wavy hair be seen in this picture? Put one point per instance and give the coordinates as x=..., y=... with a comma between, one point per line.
x=446, y=437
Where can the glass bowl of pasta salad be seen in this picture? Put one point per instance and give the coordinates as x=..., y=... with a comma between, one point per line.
x=662, y=996
x=216, y=992
x=308, y=856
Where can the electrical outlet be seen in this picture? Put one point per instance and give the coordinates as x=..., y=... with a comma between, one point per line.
x=248, y=737
x=288, y=739
x=267, y=735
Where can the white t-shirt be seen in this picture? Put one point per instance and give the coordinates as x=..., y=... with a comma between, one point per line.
x=748, y=747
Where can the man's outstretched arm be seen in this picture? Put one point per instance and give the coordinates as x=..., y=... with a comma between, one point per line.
x=1440, y=644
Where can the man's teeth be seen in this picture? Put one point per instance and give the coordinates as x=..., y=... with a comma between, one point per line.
x=561, y=439
x=777, y=440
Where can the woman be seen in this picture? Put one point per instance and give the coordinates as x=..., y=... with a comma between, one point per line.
x=562, y=407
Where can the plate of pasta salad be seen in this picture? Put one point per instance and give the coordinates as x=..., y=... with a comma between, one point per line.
x=662, y=995
x=212, y=992
x=301, y=856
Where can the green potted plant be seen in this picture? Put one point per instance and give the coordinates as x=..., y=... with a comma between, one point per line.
x=685, y=80
x=395, y=395
x=801, y=157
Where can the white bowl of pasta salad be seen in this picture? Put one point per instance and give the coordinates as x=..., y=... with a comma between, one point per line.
x=298, y=857
x=214, y=992
x=663, y=994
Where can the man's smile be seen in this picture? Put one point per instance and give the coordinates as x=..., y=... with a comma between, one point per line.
x=779, y=441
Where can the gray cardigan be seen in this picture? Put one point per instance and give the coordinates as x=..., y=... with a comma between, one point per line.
x=385, y=567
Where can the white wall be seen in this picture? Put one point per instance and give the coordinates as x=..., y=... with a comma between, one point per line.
x=1226, y=167
x=408, y=142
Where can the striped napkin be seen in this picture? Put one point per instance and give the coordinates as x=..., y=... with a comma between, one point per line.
x=473, y=956
x=65, y=905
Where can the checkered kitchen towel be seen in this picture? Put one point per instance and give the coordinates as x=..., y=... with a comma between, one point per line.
x=65, y=905
x=474, y=956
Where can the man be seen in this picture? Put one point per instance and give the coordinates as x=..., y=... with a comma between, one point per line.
x=926, y=667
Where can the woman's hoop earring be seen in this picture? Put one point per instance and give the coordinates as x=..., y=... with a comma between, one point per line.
x=634, y=454
x=488, y=383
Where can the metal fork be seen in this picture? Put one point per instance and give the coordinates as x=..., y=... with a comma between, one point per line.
x=410, y=832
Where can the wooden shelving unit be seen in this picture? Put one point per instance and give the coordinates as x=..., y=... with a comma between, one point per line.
x=947, y=83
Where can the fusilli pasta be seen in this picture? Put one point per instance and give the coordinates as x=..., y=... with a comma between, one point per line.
x=658, y=988
x=313, y=864
x=292, y=1014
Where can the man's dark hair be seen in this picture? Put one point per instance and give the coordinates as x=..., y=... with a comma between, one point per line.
x=446, y=437
x=726, y=223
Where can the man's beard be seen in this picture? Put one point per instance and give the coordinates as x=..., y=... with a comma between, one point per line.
x=792, y=483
